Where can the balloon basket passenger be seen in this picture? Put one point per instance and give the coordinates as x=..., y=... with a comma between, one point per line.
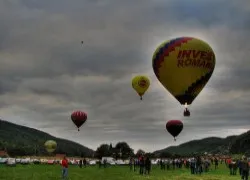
x=186, y=112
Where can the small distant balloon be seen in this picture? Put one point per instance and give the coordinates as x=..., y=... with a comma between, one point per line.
x=140, y=84
x=50, y=146
x=183, y=66
x=174, y=127
x=79, y=118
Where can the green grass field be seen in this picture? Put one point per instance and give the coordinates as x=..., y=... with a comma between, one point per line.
x=53, y=172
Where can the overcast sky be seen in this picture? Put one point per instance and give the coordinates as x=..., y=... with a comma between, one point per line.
x=45, y=72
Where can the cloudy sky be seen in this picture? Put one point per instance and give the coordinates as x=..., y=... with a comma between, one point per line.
x=45, y=72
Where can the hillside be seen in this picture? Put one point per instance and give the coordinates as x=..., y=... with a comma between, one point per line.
x=241, y=144
x=20, y=140
x=233, y=144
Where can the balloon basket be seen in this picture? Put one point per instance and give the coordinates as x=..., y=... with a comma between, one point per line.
x=186, y=113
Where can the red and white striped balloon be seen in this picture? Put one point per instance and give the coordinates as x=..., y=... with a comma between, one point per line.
x=79, y=118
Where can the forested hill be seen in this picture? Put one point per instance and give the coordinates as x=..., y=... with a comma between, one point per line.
x=232, y=144
x=20, y=140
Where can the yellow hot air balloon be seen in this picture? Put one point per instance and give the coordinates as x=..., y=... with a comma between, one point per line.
x=140, y=85
x=50, y=146
x=183, y=66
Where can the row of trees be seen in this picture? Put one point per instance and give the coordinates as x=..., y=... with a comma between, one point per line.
x=123, y=151
x=120, y=151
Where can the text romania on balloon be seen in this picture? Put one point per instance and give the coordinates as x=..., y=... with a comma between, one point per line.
x=194, y=58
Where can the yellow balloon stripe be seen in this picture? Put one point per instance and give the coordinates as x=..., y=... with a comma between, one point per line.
x=164, y=50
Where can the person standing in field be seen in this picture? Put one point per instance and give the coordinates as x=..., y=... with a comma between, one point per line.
x=206, y=165
x=131, y=163
x=245, y=169
x=212, y=161
x=64, y=168
x=135, y=163
x=234, y=167
x=239, y=166
x=80, y=163
x=229, y=163
x=147, y=166
x=161, y=164
x=216, y=163
x=142, y=165
x=192, y=165
x=85, y=162
x=198, y=165
x=105, y=163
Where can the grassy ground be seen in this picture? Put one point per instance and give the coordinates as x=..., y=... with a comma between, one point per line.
x=52, y=172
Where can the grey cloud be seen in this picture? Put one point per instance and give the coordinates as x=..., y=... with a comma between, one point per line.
x=212, y=13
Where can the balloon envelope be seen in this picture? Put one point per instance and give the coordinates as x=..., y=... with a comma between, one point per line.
x=78, y=118
x=140, y=84
x=183, y=66
x=50, y=146
x=174, y=127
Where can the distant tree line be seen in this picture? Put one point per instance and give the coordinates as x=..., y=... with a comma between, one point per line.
x=120, y=151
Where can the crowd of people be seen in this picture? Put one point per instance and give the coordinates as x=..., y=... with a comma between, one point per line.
x=142, y=163
x=196, y=165
x=242, y=164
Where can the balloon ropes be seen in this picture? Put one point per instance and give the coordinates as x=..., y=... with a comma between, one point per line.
x=183, y=66
x=140, y=84
x=174, y=127
x=79, y=118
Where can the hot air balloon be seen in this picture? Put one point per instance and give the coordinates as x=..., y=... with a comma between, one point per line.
x=50, y=146
x=78, y=118
x=183, y=66
x=140, y=85
x=174, y=127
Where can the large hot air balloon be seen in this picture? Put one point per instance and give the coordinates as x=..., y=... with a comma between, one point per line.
x=78, y=118
x=50, y=146
x=140, y=85
x=174, y=127
x=183, y=66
